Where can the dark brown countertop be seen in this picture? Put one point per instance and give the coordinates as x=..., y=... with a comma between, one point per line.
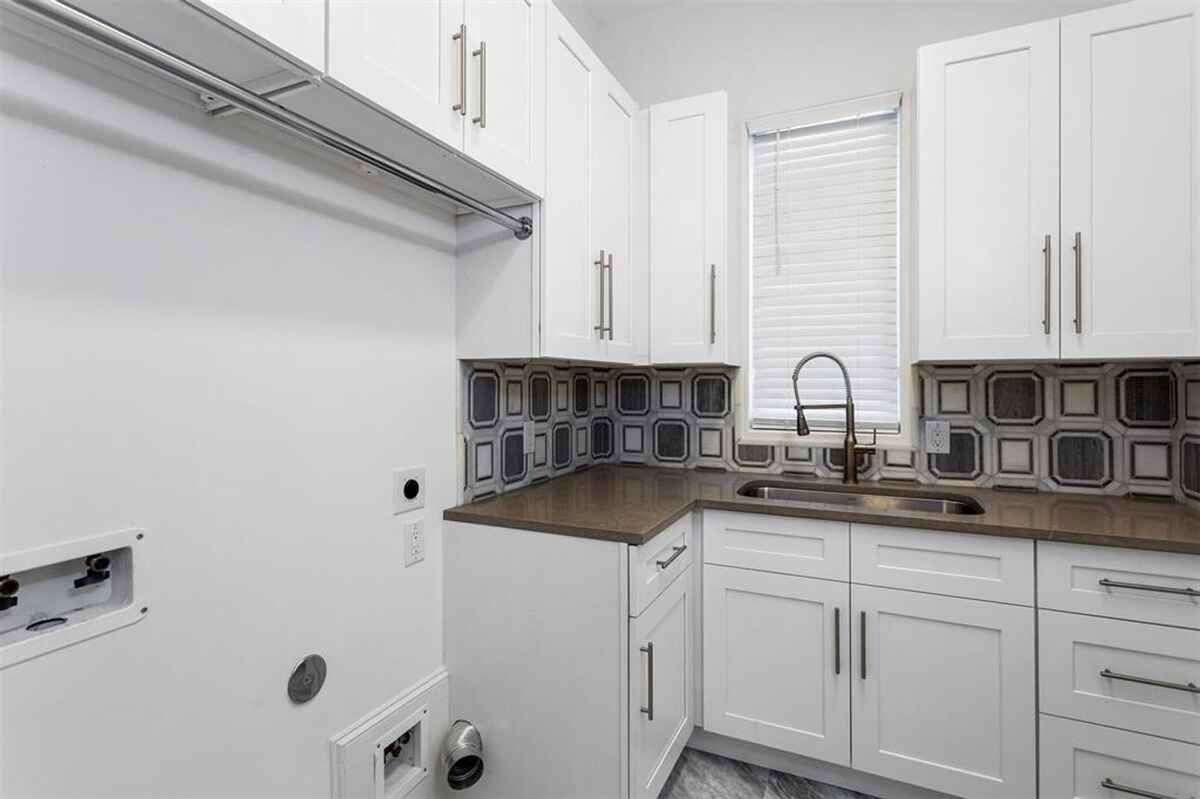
x=630, y=504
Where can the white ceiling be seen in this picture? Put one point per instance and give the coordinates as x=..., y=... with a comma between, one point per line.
x=606, y=11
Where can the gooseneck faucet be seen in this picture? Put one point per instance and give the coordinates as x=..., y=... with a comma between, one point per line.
x=850, y=447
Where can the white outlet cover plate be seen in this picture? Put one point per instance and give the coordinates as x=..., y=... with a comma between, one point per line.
x=414, y=542
x=400, y=477
x=937, y=437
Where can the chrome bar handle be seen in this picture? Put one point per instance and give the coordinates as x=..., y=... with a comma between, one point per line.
x=1190, y=687
x=482, y=53
x=1046, y=255
x=662, y=564
x=600, y=328
x=862, y=645
x=461, y=38
x=1116, y=786
x=712, y=305
x=1079, y=282
x=837, y=640
x=1158, y=589
x=610, y=296
x=648, y=708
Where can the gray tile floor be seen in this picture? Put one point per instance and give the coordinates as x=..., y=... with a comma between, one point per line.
x=699, y=775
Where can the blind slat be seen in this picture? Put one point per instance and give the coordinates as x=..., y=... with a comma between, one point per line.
x=824, y=263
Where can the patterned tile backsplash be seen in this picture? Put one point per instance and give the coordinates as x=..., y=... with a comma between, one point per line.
x=1092, y=428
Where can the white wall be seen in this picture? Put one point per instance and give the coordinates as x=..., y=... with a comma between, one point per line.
x=208, y=335
x=789, y=54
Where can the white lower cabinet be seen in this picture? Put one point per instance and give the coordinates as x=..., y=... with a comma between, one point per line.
x=660, y=691
x=777, y=661
x=933, y=690
x=1086, y=761
x=944, y=692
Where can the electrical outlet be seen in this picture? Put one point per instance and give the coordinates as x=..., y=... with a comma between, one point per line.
x=937, y=437
x=408, y=489
x=414, y=542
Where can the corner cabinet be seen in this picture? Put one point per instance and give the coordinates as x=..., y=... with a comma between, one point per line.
x=1010, y=266
x=593, y=282
x=574, y=656
x=577, y=290
x=688, y=230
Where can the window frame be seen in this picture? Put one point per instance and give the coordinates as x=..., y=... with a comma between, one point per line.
x=907, y=438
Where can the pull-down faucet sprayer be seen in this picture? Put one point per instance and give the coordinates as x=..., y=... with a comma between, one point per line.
x=850, y=445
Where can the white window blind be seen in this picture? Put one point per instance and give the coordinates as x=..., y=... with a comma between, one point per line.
x=825, y=239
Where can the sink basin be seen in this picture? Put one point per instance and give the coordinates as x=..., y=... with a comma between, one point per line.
x=878, y=499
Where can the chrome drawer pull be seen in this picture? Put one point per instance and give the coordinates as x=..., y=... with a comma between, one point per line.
x=837, y=640
x=1161, y=589
x=1116, y=786
x=862, y=646
x=648, y=651
x=1190, y=687
x=461, y=38
x=662, y=564
x=1046, y=252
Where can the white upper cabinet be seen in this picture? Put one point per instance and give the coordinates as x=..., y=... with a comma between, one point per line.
x=1130, y=289
x=468, y=73
x=404, y=57
x=987, y=137
x=507, y=88
x=1011, y=266
x=295, y=26
x=612, y=208
x=593, y=284
x=688, y=194
x=572, y=277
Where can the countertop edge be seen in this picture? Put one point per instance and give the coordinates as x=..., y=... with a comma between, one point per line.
x=637, y=538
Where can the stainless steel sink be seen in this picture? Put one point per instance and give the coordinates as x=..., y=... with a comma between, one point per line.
x=877, y=499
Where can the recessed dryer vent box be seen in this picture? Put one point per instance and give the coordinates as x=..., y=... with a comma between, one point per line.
x=63, y=594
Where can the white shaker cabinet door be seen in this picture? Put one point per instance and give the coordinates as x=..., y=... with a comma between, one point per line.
x=406, y=58
x=688, y=194
x=1130, y=288
x=506, y=79
x=944, y=693
x=660, y=713
x=987, y=193
x=572, y=280
x=612, y=207
x=776, y=656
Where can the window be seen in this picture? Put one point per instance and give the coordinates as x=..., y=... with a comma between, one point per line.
x=825, y=244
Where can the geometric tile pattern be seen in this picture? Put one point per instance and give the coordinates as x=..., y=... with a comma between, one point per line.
x=1087, y=428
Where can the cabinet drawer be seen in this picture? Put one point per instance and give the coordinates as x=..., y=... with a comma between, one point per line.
x=807, y=547
x=1084, y=761
x=1097, y=670
x=954, y=564
x=655, y=564
x=1157, y=587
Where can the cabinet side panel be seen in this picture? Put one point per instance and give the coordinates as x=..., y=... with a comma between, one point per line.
x=534, y=631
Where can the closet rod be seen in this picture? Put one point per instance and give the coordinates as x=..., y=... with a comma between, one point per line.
x=174, y=68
